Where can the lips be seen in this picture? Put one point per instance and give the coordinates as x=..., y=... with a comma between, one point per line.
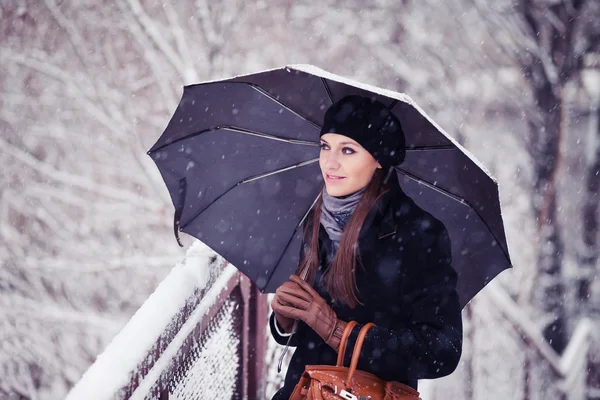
x=334, y=177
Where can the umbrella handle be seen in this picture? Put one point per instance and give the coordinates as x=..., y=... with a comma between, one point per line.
x=304, y=274
x=287, y=345
x=294, y=327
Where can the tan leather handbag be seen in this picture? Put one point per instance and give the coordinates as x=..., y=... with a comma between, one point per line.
x=328, y=382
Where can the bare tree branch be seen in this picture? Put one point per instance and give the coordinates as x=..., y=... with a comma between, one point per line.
x=190, y=75
x=74, y=180
x=149, y=27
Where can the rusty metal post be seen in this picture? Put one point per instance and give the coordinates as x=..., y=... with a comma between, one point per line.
x=254, y=340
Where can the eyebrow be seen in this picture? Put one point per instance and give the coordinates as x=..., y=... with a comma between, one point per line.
x=353, y=143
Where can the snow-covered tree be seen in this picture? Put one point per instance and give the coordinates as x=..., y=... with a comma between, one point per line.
x=87, y=87
x=85, y=220
x=548, y=41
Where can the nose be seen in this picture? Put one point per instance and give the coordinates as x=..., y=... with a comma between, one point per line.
x=330, y=161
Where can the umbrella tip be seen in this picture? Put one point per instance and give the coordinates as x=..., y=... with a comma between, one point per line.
x=176, y=224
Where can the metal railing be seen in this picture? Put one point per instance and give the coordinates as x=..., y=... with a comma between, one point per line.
x=212, y=343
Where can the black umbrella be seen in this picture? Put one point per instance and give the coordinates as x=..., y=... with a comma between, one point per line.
x=240, y=160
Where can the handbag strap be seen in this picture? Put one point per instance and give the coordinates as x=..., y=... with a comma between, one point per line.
x=344, y=342
x=356, y=353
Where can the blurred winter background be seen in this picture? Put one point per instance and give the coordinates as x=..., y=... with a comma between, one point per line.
x=86, y=223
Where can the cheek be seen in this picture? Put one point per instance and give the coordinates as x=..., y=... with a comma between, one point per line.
x=365, y=176
x=321, y=160
x=361, y=171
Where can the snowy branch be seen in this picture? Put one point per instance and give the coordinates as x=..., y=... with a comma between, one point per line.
x=75, y=180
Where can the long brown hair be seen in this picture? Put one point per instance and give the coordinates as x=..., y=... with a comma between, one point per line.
x=341, y=275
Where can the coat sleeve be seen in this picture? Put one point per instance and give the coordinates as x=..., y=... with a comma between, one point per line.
x=429, y=344
x=282, y=340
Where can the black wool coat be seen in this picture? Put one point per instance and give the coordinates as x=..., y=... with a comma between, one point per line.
x=408, y=289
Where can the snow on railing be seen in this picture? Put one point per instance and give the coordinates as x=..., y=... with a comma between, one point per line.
x=170, y=336
x=571, y=367
x=169, y=354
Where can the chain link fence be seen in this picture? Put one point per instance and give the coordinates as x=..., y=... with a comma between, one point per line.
x=212, y=366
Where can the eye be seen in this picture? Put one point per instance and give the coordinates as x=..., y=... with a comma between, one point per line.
x=323, y=146
x=351, y=151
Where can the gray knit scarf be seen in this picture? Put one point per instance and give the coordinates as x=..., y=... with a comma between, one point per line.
x=335, y=213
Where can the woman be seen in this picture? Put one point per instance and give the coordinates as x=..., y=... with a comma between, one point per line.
x=372, y=255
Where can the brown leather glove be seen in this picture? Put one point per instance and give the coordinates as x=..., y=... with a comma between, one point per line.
x=304, y=303
x=284, y=322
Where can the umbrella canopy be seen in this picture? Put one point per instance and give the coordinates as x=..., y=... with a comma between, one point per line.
x=240, y=160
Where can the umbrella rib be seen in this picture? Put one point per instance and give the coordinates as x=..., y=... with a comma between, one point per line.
x=292, y=237
x=327, y=89
x=457, y=198
x=256, y=177
x=308, y=211
x=300, y=164
x=232, y=128
x=433, y=186
x=265, y=93
x=426, y=148
x=276, y=100
x=267, y=136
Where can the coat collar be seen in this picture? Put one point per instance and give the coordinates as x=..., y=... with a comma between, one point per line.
x=388, y=226
x=381, y=219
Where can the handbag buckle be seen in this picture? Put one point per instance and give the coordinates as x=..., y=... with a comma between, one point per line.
x=347, y=395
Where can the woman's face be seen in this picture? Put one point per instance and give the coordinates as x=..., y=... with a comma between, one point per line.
x=346, y=165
